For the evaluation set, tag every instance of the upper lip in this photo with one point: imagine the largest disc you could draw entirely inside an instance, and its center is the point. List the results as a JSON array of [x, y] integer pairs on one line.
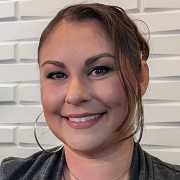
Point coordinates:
[[81, 115]]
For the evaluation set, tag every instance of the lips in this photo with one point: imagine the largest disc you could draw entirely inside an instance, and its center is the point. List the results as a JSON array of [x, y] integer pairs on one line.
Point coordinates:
[[83, 121], [86, 118]]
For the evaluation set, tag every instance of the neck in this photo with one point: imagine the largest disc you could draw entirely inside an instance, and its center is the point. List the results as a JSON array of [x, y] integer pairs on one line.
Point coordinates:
[[108, 165]]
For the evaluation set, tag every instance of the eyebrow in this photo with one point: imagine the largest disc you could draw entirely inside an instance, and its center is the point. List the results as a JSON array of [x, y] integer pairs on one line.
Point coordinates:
[[92, 59], [55, 63], [88, 61]]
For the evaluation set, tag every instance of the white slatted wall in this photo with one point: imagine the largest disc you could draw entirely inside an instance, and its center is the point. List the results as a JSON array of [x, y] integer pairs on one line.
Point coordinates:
[[21, 23]]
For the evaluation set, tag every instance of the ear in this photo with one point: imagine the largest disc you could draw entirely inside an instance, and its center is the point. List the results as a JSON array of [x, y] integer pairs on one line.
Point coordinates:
[[144, 77]]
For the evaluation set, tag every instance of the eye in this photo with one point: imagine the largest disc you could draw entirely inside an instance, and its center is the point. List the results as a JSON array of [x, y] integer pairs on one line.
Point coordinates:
[[98, 71], [57, 75]]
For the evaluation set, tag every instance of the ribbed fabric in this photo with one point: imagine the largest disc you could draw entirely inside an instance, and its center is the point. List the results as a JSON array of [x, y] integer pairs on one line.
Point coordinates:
[[49, 166]]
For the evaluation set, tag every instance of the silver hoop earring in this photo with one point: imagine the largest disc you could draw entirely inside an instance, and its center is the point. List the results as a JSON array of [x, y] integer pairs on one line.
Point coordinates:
[[52, 150], [138, 126], [141, 129]]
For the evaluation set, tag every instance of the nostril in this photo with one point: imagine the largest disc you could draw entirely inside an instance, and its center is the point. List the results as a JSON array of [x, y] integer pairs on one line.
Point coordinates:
[[76, 98], [77, 93]]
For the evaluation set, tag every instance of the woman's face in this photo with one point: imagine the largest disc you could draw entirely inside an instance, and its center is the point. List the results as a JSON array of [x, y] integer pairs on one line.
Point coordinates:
[[82, 96]]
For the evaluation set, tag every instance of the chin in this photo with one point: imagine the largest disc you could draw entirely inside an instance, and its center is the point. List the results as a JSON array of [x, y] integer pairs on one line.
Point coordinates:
[[85, 147]]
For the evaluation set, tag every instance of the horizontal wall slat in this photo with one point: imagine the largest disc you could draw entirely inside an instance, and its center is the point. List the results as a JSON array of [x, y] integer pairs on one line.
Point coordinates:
[[163, 113], [165, 44], [161, 4], [164, 90], [18, 72], [164, 67], [19, 114], [157, 21], [28, 50], [21, 29], [161, 135], [29, 93], [7, 93], [7, 9], [50, 8], [7, 51], [7, 134]]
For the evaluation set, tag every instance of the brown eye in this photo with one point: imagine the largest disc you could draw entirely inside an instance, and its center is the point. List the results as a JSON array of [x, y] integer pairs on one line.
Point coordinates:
[[57, 75], [98, 71]]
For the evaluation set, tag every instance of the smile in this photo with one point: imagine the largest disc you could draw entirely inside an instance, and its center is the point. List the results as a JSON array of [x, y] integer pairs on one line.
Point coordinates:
[[86, 118]]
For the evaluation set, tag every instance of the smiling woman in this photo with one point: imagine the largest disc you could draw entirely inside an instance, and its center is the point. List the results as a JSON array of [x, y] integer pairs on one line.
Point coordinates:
[[89, 85], [92, 61]]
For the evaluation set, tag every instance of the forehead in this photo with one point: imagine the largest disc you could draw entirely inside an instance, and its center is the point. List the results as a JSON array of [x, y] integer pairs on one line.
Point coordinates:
[[82, 37], [71, 26]]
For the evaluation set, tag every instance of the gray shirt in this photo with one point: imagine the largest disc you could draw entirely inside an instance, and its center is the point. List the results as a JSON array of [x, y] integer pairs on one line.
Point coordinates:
[[49, 166]]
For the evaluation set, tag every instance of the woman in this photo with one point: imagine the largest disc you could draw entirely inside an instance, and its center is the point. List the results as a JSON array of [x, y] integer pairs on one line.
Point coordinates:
[[92, 61]]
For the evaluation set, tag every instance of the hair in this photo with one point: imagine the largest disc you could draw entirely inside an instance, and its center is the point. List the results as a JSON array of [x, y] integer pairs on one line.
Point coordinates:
[[129, 46]]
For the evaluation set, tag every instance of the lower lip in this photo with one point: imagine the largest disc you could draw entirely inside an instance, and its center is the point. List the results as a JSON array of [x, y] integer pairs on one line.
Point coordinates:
[[83, 125]]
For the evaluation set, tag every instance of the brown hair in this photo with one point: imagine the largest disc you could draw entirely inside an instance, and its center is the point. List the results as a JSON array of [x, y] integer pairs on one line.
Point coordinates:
[[130, 47]]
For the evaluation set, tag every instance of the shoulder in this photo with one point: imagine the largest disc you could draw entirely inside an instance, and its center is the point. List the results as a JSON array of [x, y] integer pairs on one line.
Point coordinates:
[[34, 165], [163, 170], [18, 167]]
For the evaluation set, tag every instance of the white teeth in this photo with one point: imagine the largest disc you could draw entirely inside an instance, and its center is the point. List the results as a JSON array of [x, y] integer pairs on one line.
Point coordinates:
[[83, 119]]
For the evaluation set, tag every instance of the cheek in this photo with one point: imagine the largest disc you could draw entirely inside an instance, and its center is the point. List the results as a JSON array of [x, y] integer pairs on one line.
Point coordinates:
[[51, 97], [111, 93]]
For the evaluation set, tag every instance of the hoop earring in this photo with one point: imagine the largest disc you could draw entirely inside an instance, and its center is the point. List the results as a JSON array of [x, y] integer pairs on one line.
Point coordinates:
[[141, 129], [138, 126], [53, 150]]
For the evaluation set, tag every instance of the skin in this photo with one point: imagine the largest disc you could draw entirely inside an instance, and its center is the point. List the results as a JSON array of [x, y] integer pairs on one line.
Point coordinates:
[[73, 85]]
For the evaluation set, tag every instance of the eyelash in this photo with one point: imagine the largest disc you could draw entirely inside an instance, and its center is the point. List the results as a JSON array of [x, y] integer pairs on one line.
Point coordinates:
[[53, 75], [98, 71]]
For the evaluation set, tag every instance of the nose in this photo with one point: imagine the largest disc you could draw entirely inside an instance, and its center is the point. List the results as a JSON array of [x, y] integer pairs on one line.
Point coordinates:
[[77, 92]]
